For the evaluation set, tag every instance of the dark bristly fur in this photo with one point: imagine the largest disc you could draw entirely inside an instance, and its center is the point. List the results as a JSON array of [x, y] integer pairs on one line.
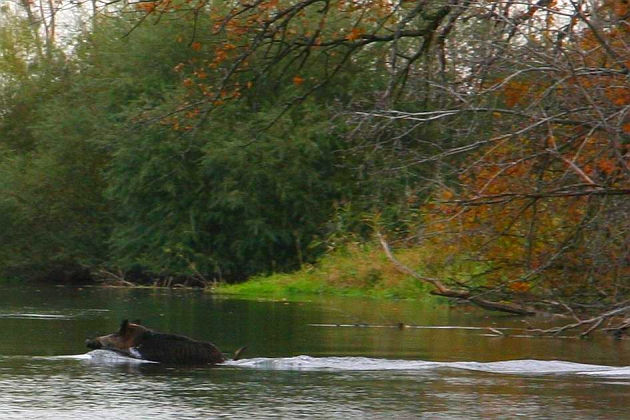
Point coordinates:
[[177, 350], [138, 341]]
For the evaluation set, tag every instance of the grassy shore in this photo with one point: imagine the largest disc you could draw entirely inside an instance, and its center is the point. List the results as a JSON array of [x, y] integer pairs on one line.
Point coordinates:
[[353, 271], [360, 270]]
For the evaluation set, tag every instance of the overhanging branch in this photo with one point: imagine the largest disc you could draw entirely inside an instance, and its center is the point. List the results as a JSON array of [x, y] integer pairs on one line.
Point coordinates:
[[442, 290]]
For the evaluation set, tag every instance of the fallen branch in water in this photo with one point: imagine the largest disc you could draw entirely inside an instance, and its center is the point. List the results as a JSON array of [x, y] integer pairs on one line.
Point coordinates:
[[442, 290], [118, 279], [497, 331], [593, 323]]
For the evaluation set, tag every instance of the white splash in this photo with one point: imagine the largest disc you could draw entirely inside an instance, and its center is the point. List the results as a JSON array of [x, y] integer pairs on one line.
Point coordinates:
[[106, 357], [523, 367]]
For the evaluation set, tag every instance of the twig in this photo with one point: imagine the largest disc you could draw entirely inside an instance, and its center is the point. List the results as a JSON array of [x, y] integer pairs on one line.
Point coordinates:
[[443, 290], [593, 323]]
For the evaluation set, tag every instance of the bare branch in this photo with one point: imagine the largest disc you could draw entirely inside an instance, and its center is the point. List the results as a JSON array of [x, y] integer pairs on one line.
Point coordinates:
[[443, 290]]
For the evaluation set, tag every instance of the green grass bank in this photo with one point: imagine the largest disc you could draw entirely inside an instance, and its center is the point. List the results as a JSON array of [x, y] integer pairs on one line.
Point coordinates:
[[356, 270]]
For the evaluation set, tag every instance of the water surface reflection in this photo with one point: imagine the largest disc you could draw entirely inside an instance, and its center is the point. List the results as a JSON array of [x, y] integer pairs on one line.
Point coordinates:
[[299, 364]]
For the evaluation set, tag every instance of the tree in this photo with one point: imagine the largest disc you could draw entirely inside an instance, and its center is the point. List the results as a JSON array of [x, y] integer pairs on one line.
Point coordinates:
[[540, 204], [501, 126], [530, 102], [49, 189], [198, 197]]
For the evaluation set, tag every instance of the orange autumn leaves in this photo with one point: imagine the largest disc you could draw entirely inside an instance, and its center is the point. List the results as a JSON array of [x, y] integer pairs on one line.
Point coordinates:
[[536, 212], [524, 223], [548, 209], [234, 31]]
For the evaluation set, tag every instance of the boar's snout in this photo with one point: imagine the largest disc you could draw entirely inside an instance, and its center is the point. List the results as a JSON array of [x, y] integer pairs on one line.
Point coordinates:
[[93, 344]]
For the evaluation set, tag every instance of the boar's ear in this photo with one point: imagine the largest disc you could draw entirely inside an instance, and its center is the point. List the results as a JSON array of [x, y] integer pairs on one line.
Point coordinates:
[[123, 327]]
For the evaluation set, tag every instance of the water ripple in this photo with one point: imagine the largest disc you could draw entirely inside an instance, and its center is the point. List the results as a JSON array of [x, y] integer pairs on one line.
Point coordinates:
[[526, 366], [364, 364], [52, 315]]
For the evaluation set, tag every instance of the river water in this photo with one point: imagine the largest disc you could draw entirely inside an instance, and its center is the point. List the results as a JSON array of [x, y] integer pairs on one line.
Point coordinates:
[[314, 358]]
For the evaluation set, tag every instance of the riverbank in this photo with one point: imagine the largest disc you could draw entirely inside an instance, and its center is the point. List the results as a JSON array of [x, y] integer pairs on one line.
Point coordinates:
[[353, 271], [358, 270]]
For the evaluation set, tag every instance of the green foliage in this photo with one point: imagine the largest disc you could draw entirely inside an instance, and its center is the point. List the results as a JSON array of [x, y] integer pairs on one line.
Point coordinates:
[[48, 196], [226, 199], [24, 76], [106, 161]]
